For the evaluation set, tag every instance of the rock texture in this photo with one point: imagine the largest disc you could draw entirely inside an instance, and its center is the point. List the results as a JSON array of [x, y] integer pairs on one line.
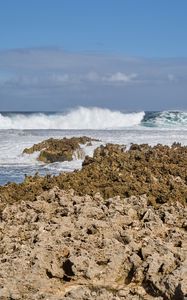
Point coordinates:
[[160, 172], [64, 246], [53, 150]]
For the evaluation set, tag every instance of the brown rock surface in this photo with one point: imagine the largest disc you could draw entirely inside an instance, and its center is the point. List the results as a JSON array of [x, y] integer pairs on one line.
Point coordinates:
[[53, 150], [160, 172], [64, 246]]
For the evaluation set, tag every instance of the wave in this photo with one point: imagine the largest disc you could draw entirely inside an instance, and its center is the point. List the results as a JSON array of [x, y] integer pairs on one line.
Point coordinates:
[[93, 118], [80, 118], [165, 119]]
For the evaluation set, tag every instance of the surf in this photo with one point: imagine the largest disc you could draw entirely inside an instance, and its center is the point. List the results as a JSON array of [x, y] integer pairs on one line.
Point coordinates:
[[166, 119], [80, 118]]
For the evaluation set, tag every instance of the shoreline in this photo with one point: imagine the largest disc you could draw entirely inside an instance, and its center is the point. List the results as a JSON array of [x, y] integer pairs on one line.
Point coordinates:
[[116, 229], [158, 171]]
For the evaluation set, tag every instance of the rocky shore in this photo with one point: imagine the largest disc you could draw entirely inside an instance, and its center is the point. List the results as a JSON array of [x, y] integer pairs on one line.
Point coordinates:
[[116, 229], [160, 172], [64, 246]]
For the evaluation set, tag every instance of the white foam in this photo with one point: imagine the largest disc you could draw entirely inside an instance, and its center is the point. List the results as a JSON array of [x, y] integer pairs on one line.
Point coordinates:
[[14, 164], [173, 119], [80, 118]]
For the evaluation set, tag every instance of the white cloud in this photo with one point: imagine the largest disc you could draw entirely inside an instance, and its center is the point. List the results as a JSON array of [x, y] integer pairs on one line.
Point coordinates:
[[121, 77], [72, 78]]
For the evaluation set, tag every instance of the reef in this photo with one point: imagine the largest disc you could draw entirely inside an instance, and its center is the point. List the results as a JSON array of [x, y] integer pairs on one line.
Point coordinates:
[[53, 150]]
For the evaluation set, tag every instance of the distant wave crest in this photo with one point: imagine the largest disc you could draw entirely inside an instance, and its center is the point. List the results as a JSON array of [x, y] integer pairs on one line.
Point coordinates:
[[80, 118], [165, 119]]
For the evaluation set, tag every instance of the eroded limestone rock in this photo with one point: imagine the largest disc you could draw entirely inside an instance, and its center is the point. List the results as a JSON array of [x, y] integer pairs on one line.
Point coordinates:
[[64, 246], [160, 172]]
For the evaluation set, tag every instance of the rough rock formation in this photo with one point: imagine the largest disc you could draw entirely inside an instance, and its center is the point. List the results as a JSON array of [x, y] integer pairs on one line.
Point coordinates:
[[64, 246], [160, 172], [53, 150]]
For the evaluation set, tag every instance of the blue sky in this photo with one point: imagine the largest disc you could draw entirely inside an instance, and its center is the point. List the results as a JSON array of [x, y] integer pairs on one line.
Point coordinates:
[[126, 54]]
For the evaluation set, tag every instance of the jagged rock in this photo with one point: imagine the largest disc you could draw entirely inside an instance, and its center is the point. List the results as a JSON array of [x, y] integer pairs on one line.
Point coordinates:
[[160, 172], [64, 246], [53, 150]]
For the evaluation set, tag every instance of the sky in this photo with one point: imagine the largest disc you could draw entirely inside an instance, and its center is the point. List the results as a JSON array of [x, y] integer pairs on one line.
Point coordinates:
[[120, 54]]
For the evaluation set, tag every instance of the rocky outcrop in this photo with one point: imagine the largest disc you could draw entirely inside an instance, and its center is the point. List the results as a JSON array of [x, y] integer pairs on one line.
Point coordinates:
[[160, 172], [64, 246], [53, 150], [121, 233]]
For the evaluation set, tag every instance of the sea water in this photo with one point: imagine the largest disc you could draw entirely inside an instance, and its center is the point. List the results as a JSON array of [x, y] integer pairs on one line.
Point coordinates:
[[21, 130]]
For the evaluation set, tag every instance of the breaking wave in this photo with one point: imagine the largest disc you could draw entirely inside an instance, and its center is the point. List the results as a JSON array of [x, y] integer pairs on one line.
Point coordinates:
[[93, 118], [80, 118], [166, 119]]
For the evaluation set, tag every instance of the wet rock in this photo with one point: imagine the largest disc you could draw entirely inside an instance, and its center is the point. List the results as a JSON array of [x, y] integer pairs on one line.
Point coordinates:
[[53, 150]]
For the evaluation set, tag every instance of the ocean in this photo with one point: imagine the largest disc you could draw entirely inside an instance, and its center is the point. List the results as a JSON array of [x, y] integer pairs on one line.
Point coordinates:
[[19, 130]]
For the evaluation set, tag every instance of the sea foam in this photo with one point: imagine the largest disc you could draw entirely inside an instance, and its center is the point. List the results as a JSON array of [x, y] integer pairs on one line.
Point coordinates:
[[80, 118]]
